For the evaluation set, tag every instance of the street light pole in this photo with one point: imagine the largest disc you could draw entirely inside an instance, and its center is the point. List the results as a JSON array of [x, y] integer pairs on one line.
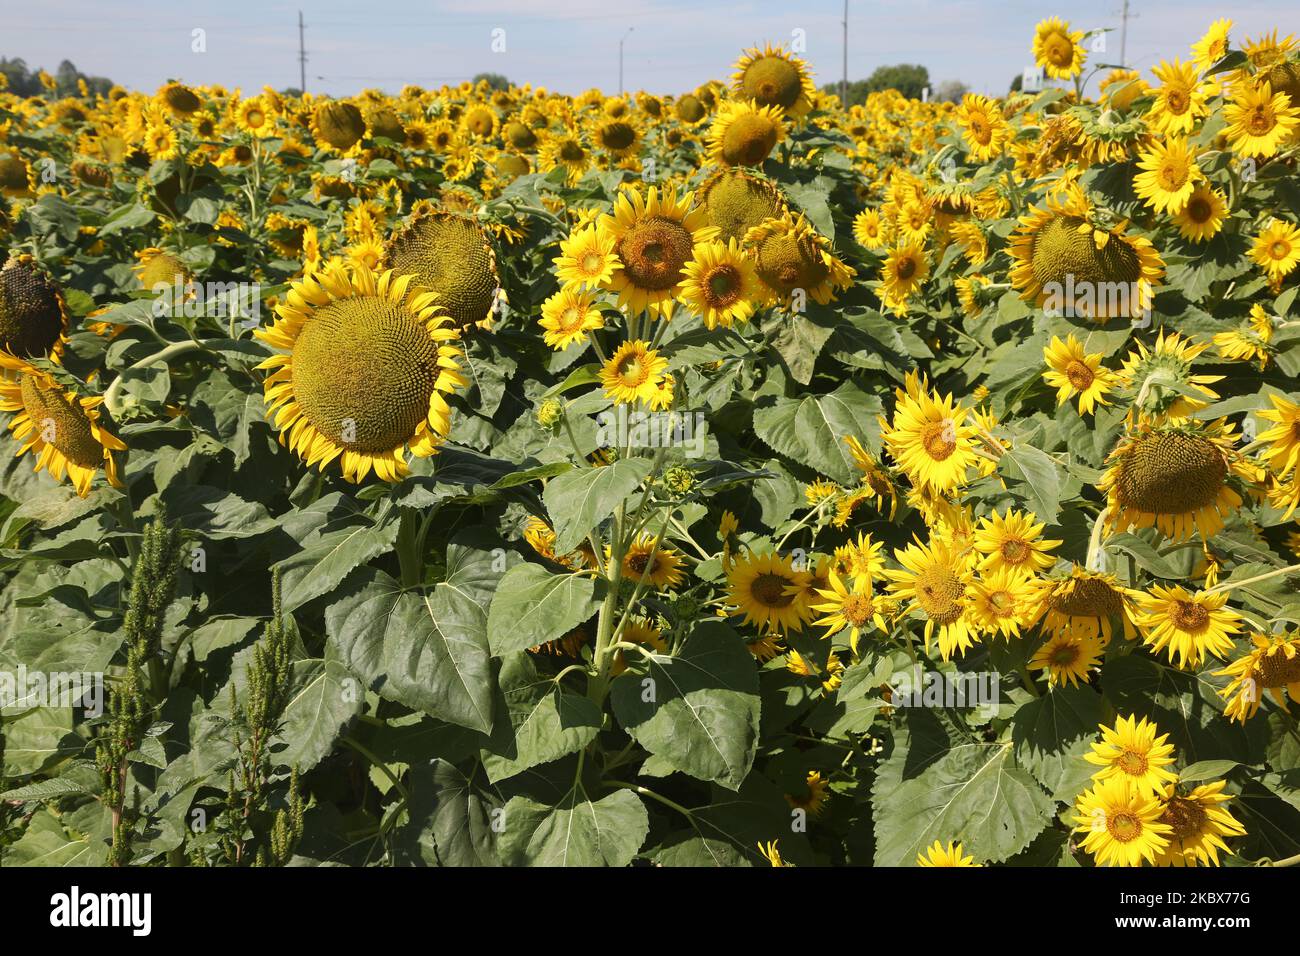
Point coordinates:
[[620, 59]]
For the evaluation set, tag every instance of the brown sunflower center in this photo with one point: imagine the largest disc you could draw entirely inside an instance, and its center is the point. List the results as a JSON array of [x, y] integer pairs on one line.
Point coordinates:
[[31, 310], [906, 268], [939, 439], [1124, 827], [1261, 121], [1080, 376], [1015, 551], [1133, 764], [1277, 670], [61, 422], [1279, 249], [571, 151], [448, 254], [1199, 210], [1186, 817], [858, 609], [1171, 473], [769, 590], [1176, 101], [1189, 616], [1064, 655], [723, 284], [617, 136], [654, 251], [939, 592], [638, 561]]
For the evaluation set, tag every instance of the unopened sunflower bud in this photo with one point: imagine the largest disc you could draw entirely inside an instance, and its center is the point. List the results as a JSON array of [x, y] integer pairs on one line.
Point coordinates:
[[549, 413], [679, 480]]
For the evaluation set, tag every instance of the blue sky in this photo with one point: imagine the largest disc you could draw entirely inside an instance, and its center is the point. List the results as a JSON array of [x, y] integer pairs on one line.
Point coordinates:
[[571, 45]]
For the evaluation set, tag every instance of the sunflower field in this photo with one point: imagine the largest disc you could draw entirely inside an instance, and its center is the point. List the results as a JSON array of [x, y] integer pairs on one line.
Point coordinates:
[[477, 476]]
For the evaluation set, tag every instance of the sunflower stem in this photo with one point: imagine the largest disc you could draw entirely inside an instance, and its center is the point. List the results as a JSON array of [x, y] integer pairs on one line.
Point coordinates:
[[112, 395], [1276, 572]]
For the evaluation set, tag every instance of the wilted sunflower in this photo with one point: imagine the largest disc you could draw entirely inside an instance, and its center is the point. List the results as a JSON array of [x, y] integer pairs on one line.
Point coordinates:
[[1259, 120], [655, 236], [1067, 658], [1086, 604], [364, 371], [1059, 249], [743, 134], [1203, 215], [772, 77], [1174, 476], [567, 317], [735, 201], [1122, 823], [61, 428], [1273, 665], [633, 373], [1188, 627], [929, 437], [33, 314], [1132, 750], [720, 284], [765, 589], [1277, 250], [936, 580], [857, 608], [1071, 371], [1169, 175], [1198, 822], [794, 262], [1162, 378], [950, 855], [450, 255]]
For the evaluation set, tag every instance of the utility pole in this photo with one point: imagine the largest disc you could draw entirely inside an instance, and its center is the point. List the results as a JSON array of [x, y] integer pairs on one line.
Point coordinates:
[[302, 58], [844, 82], [1125, 16], [620, 59]]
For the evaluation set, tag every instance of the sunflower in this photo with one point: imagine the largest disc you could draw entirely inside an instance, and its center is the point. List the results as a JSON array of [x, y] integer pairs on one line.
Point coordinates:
[[33, 314], [902, 274], [972, 240], [1059, 249], [160, 141], [1186, 626], [659, 566], [1163, 379], [1132, 750], [1248, 342], [820, 490], [565, 151], [814, 797], [1259, 120], [1203, 215], [1067, 658], [337, 125], [155, 267], [587, 258], [743, 134], [363, 373], [735, 201], [858, 609], [929, 437], [567, 317], [1283, 439], [1277, 250], [720, 284], [479, 122], [450, 255], [760, 588], [1169, 175], [655, 236], [772, 77], [1179, 100], [1173, 476], [869, 230], [255, 118], [984, 129], [795, 262], [1212, 47], [770, 853], [1272, 664], [617, 137], [61, 428], [637, 631], [1013, 542], [876, 484], [367, 252], [1198, 823], [1073, 372], [1003, 602], [940, 855], [936, 580], [1086, 604], [1057, 49], [1122, 823], [633, 373]]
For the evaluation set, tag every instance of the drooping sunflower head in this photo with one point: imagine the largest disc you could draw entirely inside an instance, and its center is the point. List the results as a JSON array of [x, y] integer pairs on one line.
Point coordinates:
[[735, 201], [60, 427], [155, 267], [794, 262], [654, 238], [1086, 604], [1173, 476], [449, 255], [33, 315], [743, 134], [1272, 665], [480, 122], [179, 99], [363, 373], [772, 77], [16, 178], [337, 124]]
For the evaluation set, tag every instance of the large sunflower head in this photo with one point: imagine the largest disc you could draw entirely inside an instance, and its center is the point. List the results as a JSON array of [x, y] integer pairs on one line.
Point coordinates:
[[61, 428], [450, 255], [1122, 823], [1061, 256], [791, 256], [363, 373], [654, 238], [743, 134], [1173, 476], [33, 315], [735, 201], [772, 77], [338, 125]]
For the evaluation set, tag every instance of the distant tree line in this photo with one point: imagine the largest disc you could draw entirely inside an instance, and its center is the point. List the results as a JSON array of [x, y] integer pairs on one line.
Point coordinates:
[[26, 82], [910, 79]]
